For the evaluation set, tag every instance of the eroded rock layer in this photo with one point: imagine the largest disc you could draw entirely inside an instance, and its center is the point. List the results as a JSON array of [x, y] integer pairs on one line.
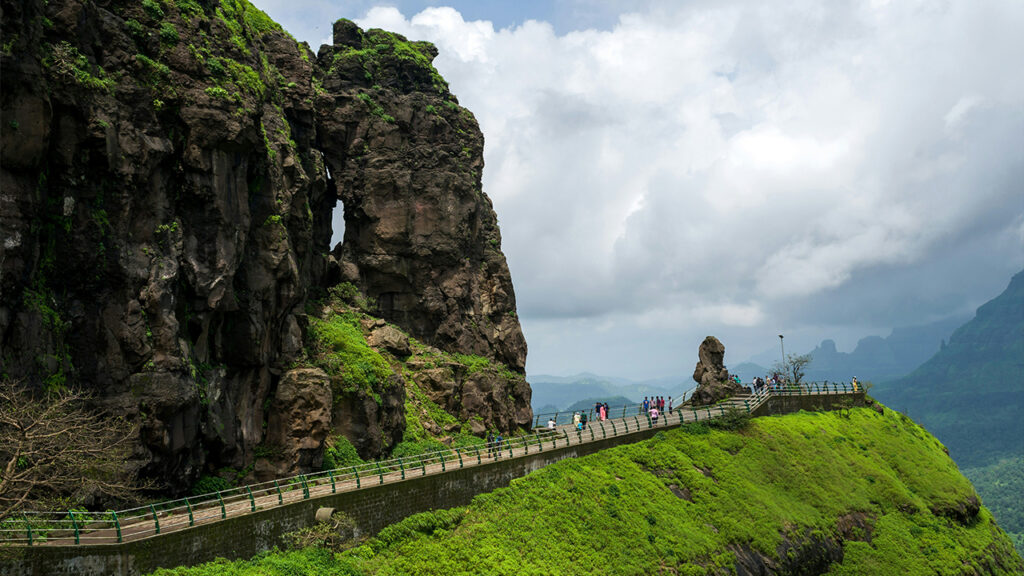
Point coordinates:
[[169, 171]]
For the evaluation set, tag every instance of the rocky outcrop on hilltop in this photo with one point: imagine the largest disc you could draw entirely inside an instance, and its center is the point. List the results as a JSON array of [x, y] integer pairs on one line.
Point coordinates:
[[713, 382], [168, 175]]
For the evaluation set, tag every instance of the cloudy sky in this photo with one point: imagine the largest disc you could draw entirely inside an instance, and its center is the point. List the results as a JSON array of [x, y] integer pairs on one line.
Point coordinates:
[[665, 170]]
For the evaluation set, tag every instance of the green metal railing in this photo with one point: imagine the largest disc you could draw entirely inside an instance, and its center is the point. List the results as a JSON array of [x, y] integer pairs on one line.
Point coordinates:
[[111, 527]]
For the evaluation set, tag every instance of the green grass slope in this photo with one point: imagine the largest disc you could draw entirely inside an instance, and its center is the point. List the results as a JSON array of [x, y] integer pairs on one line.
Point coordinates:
[[808, 493]]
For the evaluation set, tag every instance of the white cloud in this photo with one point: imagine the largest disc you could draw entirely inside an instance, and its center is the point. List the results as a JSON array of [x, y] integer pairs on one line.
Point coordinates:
[[712, 164]]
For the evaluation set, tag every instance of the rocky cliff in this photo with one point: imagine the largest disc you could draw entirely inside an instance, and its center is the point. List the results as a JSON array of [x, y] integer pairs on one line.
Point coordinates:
[[169, 171]]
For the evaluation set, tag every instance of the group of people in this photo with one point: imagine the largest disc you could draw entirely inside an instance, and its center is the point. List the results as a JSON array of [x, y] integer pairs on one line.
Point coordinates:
[[773, 381], [494, 445], [579, 420], [655, 406]]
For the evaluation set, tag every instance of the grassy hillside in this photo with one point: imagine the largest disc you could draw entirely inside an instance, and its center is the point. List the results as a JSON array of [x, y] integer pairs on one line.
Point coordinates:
[[860, 494]]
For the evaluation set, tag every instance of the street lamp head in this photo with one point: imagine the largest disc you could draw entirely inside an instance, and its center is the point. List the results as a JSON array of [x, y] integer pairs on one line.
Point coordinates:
[[780, 335]]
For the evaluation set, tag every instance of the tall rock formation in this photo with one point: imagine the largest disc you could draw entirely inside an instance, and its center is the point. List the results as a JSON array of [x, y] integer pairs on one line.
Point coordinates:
[[420, 235], [167, 179], [710, 374]]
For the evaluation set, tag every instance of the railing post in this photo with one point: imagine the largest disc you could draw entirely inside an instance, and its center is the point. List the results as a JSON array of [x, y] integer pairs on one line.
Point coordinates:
[[636, 420], [604, 433], [591, 428], [191, 519], [356, 472], [625, 423], [156, 521], [402, 468], [223, 510], [478, 455], [74, 523], [459, 452], [696, 418], [380, 473], [536, 421], [442, 463], [305, 488], [252, 499], [566, 437], [623, 411], [615, 432], [117, 524], [331, 474], [650, 423], [579, 437], [28, 528], [280, 497], [510, 455], [747, 404], [540, 444]]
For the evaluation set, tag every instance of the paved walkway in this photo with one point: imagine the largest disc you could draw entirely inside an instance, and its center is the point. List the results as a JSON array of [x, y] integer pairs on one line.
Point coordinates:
[[151, 521]]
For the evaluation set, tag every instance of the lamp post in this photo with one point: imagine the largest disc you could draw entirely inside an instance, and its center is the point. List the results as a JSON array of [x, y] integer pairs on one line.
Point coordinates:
[[783, 347]]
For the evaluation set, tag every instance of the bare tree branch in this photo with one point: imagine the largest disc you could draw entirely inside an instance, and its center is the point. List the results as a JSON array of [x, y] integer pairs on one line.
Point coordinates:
[[54, 449]]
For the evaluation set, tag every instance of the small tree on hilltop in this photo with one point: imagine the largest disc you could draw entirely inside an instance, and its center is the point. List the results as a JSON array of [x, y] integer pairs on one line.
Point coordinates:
[[55, 453], [793, 368]]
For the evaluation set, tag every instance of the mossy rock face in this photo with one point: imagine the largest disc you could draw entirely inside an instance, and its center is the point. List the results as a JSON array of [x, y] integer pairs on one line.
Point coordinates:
[[170, 170], [395, 396]]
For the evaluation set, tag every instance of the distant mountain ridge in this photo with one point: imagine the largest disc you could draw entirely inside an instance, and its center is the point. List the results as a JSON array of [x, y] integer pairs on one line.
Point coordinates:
[[970, 394], [562, 392], [875, 359]]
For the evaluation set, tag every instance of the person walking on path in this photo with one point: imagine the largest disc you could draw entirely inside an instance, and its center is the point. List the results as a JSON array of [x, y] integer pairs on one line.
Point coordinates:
[[490, 444], [551, 423], [583, 421], [576, 420], [654, 414], [646, 406], [669, 404], [499, 444]]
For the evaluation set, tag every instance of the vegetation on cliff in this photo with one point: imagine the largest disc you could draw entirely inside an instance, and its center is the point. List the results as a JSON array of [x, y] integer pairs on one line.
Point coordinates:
[[363, 353], [834, 493]]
